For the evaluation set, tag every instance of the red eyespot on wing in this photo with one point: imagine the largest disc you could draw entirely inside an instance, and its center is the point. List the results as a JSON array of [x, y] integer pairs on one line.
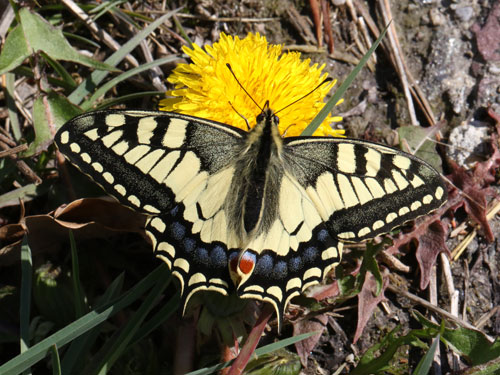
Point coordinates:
[[247, 263]]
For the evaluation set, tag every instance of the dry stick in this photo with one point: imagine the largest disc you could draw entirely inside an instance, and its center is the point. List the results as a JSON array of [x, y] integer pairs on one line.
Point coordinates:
[[354, 35], [325, 8], [366, 36], [22, 166], [415, 89], [433, 300], [314, 4], [452, 292], [13, 150], [484, 319], [494, 208], [435, 309], [107, 39], [5, 138], [155, 72], [220, 19], [385, 8]]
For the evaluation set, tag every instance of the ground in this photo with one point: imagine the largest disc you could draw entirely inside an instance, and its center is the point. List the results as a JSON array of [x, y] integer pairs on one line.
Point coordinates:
[[449, 51]]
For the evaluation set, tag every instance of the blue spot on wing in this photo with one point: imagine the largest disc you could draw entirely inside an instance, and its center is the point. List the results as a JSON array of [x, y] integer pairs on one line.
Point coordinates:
[[218, 257]]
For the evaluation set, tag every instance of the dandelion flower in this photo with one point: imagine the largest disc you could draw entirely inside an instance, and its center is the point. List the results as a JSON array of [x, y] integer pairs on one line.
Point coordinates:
[[207, 89]]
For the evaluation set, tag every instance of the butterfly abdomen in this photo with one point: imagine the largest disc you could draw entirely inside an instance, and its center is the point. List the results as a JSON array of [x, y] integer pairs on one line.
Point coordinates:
[[256, 179]]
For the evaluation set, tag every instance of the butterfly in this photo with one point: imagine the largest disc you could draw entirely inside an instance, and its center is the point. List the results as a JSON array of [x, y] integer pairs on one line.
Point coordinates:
[[251, 212]]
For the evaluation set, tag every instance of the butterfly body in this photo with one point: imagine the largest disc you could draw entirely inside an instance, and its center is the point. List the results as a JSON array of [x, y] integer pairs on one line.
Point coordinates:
[[249, 211]]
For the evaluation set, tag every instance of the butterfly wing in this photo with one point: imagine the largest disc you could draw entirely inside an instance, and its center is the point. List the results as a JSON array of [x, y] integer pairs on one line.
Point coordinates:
[[173, 168], [363, 189], [295, 252]]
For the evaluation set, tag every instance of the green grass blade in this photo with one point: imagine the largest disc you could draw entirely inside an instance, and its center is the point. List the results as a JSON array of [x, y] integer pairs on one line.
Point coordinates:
[[161, 316], [56, 363], [311, 128], [25, 294], [68, 80], [88, 85], [80, 326], [133, 325], [10, 80], [86, 105], [121, 99], [76, 353], [75, 279], [424, 366], [25, 305]]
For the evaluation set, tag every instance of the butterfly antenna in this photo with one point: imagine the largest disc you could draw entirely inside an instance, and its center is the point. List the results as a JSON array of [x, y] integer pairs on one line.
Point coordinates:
[[239, 83], [239, 114], [302, 97]]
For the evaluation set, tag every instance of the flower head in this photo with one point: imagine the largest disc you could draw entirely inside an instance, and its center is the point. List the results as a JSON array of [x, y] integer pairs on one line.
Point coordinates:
[[206, 88]]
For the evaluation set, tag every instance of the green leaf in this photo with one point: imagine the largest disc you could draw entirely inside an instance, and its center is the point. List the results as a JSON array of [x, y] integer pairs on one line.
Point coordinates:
[[56, 363], [14, 51], [9, 90], [417, 139], [79, 299], [27, 193], [120, 345], [469, 343], [49, 113], [387, 348], [42, 36]]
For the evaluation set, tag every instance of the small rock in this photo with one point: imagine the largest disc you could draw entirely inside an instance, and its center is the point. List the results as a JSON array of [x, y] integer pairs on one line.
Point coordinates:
[[468, 143], [464, 14], [437, 18]]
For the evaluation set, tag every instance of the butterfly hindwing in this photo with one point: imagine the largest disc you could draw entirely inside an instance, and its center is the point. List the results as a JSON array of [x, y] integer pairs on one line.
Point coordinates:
[[296, 252]]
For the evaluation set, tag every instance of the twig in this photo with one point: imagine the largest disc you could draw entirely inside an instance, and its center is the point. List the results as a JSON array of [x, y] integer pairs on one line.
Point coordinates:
[[453, 293], [252, 341], [433, 300], [494, 208], [93, 27], [417, 93], [22, 166], [435, 309], [366, 36], [385, 8], [315, 10], [221, 19], [484, 319], [13, 150], [325, 8]]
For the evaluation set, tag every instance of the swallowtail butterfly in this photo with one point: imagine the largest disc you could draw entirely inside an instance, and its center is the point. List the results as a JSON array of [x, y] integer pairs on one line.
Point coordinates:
[[248, 211]]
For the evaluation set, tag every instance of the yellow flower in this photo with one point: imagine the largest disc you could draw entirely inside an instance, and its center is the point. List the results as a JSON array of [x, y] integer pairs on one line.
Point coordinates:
[[207, 89]]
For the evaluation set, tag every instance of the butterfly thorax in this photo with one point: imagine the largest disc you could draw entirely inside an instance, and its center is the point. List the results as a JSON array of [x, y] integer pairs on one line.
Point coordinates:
[[258, 171]]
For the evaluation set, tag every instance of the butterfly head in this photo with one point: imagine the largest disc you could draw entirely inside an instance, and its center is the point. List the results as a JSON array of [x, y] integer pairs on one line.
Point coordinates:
[[268, 115]]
